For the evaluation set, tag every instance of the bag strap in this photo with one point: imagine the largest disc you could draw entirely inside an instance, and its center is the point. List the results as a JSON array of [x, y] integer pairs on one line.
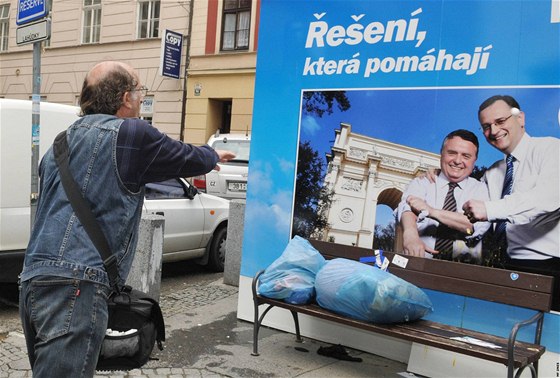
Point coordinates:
[[83, 209]]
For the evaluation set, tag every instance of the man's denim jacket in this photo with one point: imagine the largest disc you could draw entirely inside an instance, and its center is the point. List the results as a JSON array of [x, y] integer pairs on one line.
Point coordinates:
[[59, 245]]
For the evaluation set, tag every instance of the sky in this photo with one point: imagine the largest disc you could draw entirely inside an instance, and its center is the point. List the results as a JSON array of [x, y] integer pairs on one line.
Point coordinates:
[[422, 117]]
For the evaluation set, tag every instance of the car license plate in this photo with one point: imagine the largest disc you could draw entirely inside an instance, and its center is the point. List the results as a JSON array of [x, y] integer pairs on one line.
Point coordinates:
[[237, 186]]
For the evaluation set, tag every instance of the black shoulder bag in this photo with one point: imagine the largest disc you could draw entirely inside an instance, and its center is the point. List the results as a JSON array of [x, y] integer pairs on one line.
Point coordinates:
[[135, 319]]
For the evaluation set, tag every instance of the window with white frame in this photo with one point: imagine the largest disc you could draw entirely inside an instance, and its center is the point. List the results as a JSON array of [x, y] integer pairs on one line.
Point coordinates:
[[148, 19], [92, 21], [236, 23], [4, 26]]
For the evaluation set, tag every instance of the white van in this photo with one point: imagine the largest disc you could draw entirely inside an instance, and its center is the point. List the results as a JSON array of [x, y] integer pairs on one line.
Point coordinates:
[[15, 173], [195, 224]]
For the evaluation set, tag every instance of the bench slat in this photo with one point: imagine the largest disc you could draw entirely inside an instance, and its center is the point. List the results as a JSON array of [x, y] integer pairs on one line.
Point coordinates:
[[472, 272], [476, 289]]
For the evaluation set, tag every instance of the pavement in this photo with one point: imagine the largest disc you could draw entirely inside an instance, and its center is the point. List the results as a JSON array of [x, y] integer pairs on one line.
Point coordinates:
[[204, 338]]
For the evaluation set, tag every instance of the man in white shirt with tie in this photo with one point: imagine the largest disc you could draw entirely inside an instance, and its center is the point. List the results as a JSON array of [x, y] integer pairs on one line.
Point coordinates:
[[431, 228], [530, 210]]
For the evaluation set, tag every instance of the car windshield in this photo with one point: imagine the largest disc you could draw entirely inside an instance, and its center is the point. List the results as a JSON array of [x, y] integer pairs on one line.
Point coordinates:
[[239, 147], [165, 189]]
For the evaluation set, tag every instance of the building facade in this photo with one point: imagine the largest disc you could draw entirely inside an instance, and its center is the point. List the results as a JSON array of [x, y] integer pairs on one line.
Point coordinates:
[[215, 88], [221, 73]]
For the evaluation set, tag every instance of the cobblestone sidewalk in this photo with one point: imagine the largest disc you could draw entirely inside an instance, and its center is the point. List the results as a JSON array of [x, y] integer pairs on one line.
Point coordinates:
[[204, 338], [13, 353]]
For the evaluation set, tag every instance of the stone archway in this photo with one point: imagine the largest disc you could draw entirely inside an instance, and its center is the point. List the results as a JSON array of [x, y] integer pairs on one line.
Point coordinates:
[[391, 198], [363, 172]]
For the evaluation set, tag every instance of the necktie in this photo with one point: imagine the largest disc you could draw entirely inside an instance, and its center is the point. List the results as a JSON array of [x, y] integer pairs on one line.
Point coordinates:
[[500, 230], [444, 241]]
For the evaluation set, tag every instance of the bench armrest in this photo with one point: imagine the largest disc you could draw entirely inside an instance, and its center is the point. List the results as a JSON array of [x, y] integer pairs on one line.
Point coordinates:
[[255, 282], [538, 317]]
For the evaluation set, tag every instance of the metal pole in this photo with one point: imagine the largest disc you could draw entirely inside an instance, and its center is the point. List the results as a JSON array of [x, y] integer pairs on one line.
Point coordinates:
[[187, 63], [35, 129]]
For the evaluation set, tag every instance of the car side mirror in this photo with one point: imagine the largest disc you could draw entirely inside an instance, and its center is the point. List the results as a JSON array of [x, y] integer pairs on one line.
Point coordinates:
[[191, 192]]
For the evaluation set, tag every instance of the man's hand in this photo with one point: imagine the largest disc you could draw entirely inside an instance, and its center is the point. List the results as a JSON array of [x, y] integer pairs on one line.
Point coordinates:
[[431, 174], [414, 246], [417, 204], [223, 157], [475, 210]]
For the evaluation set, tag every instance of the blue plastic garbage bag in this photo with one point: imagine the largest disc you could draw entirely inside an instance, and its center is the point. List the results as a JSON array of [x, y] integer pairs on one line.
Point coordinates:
[[366, 293], [291, 277]]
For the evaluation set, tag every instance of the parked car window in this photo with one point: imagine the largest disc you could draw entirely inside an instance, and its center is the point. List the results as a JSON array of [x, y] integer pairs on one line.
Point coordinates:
[[165, 189], [231, 180], [241, 148]]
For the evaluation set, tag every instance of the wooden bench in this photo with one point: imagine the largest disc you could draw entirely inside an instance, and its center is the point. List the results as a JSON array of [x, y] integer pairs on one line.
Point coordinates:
[[530, 291]]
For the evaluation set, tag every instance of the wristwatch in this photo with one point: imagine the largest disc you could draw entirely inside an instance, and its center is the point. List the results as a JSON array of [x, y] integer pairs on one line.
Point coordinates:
[[423, 214]]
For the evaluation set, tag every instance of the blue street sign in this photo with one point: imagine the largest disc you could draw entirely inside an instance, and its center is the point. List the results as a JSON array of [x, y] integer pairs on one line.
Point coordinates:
[[31, 10]]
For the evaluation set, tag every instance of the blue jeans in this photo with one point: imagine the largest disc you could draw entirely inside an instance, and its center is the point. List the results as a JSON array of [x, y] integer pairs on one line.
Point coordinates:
[[64, 321]]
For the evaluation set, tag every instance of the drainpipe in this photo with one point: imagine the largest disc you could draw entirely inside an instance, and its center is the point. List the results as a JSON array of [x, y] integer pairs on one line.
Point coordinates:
[[187, 63]]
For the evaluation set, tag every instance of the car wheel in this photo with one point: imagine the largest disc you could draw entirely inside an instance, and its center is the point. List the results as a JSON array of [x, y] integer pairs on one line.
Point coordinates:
[[217, 253]]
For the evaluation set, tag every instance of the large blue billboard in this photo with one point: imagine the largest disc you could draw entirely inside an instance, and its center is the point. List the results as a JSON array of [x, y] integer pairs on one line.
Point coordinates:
[[411, 70]]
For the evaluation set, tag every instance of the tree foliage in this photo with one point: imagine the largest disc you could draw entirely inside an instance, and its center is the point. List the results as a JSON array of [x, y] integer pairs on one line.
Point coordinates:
[[384, 237], [321, 102], [478, 172], [311, 197]]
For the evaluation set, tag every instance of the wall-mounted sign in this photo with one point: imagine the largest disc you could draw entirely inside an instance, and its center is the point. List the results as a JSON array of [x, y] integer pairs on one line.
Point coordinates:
[[147, 107], [170, 57], [197, 89]]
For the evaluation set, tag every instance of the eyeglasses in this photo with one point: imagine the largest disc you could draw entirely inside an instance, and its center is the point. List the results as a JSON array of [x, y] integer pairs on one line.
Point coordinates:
[[143, 90], [499, 123]]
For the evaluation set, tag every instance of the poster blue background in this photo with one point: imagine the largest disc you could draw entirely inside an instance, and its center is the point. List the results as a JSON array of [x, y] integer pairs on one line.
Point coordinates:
[[523, 48]]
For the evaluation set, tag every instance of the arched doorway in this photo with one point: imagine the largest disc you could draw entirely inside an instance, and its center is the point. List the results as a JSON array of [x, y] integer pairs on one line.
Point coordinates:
[[386, 235]]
